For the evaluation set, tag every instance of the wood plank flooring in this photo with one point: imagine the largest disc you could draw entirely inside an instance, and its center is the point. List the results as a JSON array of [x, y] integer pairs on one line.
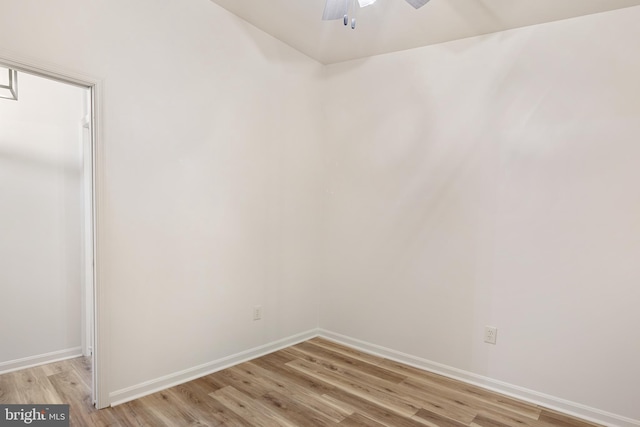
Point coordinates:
[[315, 383]]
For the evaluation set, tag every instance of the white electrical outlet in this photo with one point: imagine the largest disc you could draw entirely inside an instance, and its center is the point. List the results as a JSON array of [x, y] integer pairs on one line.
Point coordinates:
[[257, 312], [490, 334]]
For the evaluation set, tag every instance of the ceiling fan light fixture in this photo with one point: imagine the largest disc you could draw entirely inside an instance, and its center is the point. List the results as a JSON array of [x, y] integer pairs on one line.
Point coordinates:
[[365, 3], [9, 84], [335, 9], [339, 9], [417, 3]]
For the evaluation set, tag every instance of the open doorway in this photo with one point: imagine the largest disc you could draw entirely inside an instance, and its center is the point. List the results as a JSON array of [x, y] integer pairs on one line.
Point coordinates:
[[46, 223]]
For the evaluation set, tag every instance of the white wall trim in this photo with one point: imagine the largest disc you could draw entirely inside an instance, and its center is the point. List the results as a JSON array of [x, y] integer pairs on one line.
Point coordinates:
[[148, 387], [548, 401], [40, 359]]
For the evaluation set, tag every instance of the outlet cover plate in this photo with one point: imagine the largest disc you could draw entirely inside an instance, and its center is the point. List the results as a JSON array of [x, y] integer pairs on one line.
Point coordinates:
[[490, 334]]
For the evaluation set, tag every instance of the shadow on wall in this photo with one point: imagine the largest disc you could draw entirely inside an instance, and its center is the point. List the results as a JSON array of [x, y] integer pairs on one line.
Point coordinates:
[[34, 161]]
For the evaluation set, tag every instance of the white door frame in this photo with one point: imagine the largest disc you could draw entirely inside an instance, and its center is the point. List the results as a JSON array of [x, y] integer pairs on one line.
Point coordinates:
[[100, 321], [88, 277]]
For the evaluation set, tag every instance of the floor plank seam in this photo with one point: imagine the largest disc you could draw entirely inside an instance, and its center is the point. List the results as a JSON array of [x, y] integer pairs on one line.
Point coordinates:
[[314, 383]]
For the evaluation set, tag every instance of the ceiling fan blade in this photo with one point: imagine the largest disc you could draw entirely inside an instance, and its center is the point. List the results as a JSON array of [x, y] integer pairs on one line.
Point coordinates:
[[417, 3], [365, 3], [335, 9]]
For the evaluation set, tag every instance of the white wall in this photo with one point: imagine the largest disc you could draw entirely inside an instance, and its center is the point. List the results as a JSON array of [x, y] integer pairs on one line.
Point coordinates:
[[212, 188], [40, 220], [494, 181]]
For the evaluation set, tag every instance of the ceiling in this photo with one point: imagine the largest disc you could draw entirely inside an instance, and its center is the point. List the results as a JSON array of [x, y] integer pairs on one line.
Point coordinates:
[[393, 25]]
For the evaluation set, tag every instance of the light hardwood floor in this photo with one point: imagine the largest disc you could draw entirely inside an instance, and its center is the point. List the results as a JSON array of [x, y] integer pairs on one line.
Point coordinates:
[[315, 383]]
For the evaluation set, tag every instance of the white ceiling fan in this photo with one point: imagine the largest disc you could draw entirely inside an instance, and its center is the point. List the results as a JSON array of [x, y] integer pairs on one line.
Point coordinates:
[[339, 9]]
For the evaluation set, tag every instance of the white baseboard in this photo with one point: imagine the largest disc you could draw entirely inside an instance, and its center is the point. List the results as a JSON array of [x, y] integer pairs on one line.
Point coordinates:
[[40, 359], [551, 402], [148, 387]]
